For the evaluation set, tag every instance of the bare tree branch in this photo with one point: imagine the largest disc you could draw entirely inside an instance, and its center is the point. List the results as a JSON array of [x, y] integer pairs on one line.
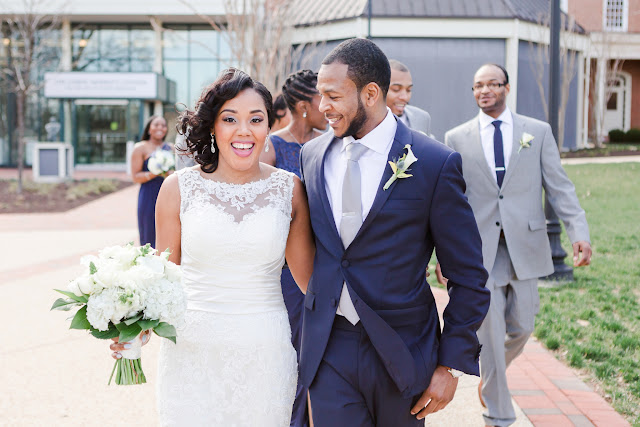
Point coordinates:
[[28, 33]]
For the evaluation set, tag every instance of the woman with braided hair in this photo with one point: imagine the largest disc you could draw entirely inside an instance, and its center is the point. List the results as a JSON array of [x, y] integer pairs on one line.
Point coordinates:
[[303, 100]]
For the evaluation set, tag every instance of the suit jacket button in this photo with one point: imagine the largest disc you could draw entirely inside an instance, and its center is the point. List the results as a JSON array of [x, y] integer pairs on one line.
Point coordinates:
[[501, 197], [498, 223], [333, 302], [345, 263]]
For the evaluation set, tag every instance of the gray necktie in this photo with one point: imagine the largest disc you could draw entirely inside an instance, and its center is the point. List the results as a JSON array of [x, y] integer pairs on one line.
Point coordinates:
[[351, 218]]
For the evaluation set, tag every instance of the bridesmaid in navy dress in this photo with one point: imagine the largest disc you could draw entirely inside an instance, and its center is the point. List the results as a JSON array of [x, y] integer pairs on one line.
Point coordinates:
[[307, 122], [152, 139]]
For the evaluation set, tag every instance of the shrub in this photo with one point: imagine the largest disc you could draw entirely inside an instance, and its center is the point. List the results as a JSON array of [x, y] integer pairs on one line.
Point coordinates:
[[632, 135], [617, 135]]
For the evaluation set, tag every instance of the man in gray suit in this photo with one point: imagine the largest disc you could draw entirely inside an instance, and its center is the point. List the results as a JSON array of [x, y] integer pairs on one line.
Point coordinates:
[[507, 160], [399, 96]]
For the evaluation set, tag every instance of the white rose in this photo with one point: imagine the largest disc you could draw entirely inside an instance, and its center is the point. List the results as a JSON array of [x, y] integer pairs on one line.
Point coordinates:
[[74, 287], [87, 285]]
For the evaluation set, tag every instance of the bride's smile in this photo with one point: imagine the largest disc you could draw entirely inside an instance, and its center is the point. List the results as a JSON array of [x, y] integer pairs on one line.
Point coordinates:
[[240, 131]]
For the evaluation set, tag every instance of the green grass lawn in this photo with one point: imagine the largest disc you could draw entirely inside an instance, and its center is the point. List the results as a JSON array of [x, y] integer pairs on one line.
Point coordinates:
[[593, 324]]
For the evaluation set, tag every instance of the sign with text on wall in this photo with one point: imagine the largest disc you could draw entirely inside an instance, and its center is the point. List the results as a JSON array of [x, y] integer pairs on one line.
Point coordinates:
[[78, 85]]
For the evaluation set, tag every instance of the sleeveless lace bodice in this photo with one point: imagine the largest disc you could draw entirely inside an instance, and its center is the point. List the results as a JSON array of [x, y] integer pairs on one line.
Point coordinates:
[[233, 241], [234, 348]]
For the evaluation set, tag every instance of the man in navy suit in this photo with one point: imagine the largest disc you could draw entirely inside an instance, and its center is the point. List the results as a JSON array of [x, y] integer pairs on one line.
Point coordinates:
[[372, 349]]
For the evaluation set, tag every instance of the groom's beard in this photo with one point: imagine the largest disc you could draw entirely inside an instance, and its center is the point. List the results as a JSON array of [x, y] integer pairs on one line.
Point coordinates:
[[358, 121]]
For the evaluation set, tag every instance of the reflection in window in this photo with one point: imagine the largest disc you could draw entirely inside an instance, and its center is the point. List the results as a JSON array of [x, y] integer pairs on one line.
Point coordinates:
[[175, 43]]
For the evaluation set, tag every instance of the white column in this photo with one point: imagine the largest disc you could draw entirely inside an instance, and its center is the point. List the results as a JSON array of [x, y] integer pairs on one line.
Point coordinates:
[[511, 64], [600, 99], [158, 59], [579, 128], [66, 65], [585, 100]]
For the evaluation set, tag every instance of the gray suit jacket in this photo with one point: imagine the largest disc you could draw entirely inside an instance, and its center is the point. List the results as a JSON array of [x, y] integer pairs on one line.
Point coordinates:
[[517, 207], [418, 119]]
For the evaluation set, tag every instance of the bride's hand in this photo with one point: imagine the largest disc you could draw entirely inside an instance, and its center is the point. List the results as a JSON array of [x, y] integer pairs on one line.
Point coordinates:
[[117, 347]]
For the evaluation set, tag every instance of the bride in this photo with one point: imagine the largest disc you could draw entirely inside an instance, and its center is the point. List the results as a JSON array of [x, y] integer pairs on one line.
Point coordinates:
[[229, 222]]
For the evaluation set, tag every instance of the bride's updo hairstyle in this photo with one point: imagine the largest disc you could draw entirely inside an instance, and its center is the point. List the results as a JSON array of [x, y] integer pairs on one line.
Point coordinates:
[[196, 125]]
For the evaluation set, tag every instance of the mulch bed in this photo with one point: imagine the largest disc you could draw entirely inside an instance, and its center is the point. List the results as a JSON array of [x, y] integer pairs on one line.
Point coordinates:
[[593, 153], [56, 198]]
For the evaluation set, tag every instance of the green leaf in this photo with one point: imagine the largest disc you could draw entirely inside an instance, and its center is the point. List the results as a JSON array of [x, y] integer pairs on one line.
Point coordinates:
[[128, 332], [92, 268], [132, 320], [64, 304], [147, 324], [165, 330], [112, 332], [82, 299], [80, 320]]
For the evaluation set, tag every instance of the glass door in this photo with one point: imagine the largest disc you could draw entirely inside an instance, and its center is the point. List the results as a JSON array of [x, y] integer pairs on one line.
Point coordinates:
[[101, 131]]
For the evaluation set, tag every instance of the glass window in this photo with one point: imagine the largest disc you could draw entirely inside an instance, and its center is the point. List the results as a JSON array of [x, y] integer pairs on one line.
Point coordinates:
[[114, 43], [178, 71], [141, 65], [224, 49], [616, 15], [204, 44], [142, 43], [202, 74], [175, 43], [85, 49]]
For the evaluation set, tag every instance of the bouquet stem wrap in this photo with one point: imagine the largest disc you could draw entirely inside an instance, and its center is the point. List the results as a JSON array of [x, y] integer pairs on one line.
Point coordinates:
[[128, 369]]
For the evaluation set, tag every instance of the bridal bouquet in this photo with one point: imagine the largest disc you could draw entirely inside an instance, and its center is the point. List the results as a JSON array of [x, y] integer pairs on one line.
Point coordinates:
[[124, 291], [161, 162]]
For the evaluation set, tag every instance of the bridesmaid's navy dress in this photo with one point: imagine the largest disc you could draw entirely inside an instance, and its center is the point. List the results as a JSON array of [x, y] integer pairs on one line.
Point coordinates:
[[288, 158], [147, 205]]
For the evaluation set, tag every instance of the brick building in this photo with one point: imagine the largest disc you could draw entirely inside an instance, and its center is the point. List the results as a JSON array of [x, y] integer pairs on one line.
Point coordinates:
[[613, 63]]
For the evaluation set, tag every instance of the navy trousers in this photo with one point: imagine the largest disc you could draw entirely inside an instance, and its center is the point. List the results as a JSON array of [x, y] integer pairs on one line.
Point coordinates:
[[294, 301], [352, 386]]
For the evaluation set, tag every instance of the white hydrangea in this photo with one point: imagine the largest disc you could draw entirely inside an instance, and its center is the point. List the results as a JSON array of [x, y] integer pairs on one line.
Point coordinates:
[[128, 281]]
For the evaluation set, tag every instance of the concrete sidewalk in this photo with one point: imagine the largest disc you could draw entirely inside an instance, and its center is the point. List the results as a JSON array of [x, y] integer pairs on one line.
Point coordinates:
[[54, 376]]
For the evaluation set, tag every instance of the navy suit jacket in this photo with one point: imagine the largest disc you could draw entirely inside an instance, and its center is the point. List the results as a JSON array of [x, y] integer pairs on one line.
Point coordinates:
[[384, 266]]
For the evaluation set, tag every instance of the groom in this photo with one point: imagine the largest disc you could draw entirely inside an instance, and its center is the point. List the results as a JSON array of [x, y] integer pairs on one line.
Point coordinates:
[[372, 350]]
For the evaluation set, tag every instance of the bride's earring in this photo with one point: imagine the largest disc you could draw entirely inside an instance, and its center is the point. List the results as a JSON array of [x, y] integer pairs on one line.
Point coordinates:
[[304, 114], [266, 145], [213, 142]]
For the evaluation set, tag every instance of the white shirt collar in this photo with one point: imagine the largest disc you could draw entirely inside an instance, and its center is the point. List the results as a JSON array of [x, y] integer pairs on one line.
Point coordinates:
[[379, 138], [486, 120]]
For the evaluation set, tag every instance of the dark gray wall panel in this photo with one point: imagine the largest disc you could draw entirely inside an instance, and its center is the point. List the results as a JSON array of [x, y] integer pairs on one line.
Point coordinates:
[[529, 101], [442, 71]]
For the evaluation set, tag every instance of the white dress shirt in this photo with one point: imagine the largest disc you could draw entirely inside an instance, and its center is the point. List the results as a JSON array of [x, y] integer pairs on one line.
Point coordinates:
[[486, 136], [372, 165]]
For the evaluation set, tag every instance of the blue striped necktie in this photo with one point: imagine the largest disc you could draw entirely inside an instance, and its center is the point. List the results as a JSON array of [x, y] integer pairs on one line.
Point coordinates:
[[498, 152]]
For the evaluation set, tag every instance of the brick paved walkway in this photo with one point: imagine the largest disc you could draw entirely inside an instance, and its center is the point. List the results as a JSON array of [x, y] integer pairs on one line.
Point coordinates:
[[549, 393], [53, 376]]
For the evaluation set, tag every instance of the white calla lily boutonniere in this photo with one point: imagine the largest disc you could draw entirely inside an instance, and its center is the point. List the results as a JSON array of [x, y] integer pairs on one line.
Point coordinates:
[[525, 141], [401, 166]]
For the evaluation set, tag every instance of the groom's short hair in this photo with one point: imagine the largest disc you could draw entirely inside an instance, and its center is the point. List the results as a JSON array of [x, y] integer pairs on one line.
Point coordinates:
[[365, 61]]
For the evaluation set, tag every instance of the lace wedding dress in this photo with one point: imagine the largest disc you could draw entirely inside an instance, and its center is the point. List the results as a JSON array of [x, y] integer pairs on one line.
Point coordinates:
[[233, 364]]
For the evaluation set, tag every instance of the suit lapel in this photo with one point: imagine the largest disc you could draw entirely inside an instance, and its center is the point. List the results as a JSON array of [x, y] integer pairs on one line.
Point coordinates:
[[518, 129], [402, 138], [478, 153]]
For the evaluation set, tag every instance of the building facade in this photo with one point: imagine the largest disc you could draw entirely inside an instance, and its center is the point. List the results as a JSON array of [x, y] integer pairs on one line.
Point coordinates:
[[613, 63], [443, 43], [109, 73]]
